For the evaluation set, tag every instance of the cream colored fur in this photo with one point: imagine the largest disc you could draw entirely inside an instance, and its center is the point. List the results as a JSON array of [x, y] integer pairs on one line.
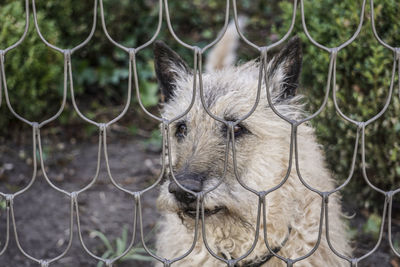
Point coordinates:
[[262, 162], [223, 55]]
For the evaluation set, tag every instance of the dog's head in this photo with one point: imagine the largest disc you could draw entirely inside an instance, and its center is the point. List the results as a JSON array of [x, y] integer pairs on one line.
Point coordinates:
[[198, 142]]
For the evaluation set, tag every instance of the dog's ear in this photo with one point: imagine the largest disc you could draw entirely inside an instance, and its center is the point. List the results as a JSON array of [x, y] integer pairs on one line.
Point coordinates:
[[169, 66], [285, 69]]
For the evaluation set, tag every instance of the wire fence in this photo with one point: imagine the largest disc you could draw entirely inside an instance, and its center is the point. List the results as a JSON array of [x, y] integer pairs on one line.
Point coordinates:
[[133, 84]]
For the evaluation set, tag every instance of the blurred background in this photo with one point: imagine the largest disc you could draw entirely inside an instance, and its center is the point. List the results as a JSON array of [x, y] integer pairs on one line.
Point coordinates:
[[100, 72]]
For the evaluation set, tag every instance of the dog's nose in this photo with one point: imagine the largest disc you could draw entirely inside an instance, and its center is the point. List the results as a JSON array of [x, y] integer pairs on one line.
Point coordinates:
[[190, 182]]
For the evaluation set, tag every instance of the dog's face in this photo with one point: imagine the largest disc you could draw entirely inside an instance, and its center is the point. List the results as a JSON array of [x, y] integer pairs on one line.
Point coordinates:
[[198, 142]]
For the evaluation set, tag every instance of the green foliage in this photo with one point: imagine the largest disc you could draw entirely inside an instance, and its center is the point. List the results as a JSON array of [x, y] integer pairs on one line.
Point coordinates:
[[396, 244], [155, 139], [363, 77], [121, 244], [35, 72], [3, 204], [34, 87], [372, 226]]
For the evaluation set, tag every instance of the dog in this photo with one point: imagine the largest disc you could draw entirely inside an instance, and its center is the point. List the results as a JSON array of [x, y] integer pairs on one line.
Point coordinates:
[[262, 144]]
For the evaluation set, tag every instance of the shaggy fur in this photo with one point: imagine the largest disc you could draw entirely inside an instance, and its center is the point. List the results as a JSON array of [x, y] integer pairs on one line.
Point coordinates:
[[262, 161]]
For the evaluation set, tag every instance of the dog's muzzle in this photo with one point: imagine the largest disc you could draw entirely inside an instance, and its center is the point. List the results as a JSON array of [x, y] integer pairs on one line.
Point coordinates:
[[187, 201], [192, 182]]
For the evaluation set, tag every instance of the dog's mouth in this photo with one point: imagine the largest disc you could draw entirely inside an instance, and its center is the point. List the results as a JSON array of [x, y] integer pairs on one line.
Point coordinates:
[[191, 212]]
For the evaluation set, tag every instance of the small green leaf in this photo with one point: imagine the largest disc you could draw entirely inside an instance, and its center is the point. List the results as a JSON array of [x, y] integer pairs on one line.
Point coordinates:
[[121, 246], [138, 257], [103, 238]]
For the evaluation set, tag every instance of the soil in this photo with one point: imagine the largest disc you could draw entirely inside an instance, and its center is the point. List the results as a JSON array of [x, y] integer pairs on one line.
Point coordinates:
[[42, 214]]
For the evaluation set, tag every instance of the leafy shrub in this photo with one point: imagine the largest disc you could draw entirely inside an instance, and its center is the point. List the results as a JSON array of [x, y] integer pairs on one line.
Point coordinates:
[[34, 87], [363, 77], [35, 72]]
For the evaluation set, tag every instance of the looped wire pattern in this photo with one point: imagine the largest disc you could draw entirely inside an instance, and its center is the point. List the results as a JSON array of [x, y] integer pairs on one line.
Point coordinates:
[[198, 53]]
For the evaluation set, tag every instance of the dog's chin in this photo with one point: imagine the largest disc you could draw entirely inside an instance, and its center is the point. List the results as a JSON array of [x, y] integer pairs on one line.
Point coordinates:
[[191, 212]]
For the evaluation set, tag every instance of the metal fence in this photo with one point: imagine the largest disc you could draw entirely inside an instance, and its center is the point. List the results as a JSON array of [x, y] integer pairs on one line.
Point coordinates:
[[133, 84]]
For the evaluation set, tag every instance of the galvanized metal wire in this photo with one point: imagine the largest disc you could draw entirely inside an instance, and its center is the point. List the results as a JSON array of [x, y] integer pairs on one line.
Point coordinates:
[[198, 52]]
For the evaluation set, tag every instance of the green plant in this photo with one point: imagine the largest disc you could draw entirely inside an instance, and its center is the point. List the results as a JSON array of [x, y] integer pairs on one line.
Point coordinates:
[[121, 244], [363, 77], [372, 226], [34, 73], [155, 139], [3, 204], [396, 244]]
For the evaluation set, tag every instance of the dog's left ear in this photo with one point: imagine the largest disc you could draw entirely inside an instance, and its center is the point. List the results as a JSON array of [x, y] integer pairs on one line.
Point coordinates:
[[285, 69], [169, 66]]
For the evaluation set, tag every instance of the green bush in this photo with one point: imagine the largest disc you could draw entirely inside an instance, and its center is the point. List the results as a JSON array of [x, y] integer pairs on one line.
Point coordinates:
[[35, 72], [34, 87], [363, 77]]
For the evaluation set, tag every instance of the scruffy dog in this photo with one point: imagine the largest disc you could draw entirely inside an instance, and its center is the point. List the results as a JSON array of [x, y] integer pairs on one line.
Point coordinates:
[[262, 152]]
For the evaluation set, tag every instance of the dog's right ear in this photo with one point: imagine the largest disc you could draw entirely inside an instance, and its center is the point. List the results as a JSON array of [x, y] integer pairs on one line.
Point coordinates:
[[285, 69], [169, 66]]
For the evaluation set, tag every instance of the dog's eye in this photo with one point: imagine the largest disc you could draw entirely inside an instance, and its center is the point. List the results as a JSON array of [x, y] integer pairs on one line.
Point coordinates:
[[238, 130], [181, 131]]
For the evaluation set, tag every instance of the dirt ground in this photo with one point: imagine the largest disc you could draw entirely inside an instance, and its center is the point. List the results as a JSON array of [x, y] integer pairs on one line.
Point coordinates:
[[42, 214]]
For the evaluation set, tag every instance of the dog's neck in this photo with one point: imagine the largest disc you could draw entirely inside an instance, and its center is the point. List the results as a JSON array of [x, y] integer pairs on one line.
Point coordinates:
[[265, 258]]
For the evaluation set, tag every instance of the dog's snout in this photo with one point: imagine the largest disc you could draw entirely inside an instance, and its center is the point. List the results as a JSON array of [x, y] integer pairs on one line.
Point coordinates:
[[190, 182]]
